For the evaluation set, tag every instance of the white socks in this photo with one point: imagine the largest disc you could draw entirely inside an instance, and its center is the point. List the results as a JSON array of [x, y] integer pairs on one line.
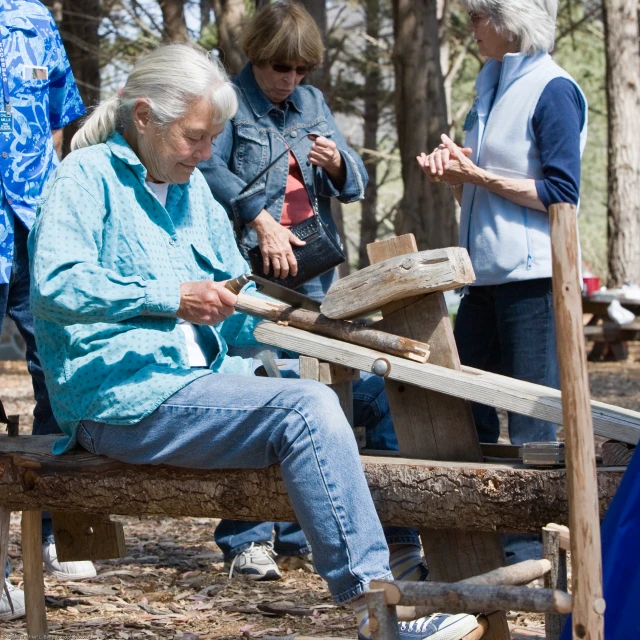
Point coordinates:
[[406, 563]]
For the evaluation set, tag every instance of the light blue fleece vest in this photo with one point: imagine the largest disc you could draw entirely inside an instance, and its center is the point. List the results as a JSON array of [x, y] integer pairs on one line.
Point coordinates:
[[508, 242]]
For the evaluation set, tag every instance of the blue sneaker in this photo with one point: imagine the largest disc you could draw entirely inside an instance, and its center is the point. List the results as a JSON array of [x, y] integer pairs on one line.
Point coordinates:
[[439, 626]]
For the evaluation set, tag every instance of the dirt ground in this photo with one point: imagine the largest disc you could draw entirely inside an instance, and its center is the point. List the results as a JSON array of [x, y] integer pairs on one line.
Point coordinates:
[[172, 583]]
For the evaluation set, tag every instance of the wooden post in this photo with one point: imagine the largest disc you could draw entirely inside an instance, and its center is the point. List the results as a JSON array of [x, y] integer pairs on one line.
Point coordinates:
[[555, 579], [435, 426], [33, 574], [383, 620], [584, 522], [13, 429]]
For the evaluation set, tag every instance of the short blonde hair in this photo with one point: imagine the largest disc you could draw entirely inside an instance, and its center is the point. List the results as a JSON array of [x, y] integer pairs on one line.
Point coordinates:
[[283, 32]]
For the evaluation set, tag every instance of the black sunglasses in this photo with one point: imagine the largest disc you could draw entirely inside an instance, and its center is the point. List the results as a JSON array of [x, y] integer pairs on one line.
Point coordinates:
[[285, 68]]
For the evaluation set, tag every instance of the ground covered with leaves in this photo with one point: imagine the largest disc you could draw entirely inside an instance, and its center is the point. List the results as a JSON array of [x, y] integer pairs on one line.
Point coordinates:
[[173, 584]]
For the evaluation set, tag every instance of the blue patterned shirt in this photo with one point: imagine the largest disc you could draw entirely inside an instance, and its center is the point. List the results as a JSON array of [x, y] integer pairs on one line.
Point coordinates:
[[43, 96], [107, 260]]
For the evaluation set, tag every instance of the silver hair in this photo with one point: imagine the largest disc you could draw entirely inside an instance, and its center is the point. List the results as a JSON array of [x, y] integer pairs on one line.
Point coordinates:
[[532, 23], [171, 77]]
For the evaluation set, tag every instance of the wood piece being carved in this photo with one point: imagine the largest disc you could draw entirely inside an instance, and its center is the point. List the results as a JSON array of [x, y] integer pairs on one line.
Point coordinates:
[[345, 331], [397, 278]]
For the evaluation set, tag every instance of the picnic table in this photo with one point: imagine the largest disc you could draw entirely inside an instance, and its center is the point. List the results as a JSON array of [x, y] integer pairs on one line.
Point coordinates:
[[610, 338]]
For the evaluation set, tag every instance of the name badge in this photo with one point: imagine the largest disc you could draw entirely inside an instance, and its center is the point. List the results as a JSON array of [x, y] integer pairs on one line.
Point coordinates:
[[6, 124], [29, 72]]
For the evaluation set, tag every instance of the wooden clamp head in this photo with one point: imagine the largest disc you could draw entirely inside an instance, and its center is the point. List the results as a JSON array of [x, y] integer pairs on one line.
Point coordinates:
[[396, 278]]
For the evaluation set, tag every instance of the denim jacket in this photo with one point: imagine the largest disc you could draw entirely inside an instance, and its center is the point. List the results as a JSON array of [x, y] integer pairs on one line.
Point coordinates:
[[256, 135]]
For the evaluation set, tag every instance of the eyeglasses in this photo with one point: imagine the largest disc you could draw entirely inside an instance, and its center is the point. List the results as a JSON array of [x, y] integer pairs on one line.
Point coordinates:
[[285, 68]]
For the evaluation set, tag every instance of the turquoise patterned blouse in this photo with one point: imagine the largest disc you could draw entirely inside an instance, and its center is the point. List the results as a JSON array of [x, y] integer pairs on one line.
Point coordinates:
[[107, 260]]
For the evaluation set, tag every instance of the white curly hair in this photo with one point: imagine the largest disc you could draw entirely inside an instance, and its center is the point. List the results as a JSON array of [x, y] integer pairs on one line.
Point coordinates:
[[532, 23]]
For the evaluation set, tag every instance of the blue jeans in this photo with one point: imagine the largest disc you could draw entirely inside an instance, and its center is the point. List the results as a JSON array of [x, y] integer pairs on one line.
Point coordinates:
[[296, 423], [371, 409], [14, 302], [510, 329]]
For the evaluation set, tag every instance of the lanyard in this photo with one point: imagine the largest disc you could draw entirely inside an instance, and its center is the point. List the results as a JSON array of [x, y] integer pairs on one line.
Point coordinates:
[[5, 80]]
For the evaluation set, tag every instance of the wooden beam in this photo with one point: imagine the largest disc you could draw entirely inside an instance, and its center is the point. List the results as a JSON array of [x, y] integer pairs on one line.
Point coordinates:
[[471, 384], [436, 426], [433, 494], [431, 597], [348, 332], [586, 554], [397, 278], [516, 574]]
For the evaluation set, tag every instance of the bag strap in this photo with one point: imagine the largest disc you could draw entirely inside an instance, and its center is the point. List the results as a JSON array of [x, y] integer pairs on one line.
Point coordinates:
[[273, 162]]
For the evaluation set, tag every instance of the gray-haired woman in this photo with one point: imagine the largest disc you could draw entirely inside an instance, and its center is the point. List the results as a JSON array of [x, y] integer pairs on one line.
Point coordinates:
[[525, 135], [128, 241]]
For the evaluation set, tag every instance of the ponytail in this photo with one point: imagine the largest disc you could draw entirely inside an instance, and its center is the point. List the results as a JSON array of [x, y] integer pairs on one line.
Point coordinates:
[[99, 125]]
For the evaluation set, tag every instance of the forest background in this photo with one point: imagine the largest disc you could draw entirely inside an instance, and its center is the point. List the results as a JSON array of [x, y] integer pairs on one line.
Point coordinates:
[[397, 74]]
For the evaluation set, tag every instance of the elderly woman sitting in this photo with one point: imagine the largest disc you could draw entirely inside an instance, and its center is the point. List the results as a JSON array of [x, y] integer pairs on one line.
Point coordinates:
[[128, 243]]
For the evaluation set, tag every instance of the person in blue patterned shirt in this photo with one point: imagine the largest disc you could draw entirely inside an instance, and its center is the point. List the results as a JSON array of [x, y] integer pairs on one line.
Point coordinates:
[[39, 98]]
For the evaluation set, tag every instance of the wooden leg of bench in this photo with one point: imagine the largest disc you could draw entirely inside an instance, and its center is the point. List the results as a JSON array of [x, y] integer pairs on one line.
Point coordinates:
[[5, 518], [33, 574], [555, 579]]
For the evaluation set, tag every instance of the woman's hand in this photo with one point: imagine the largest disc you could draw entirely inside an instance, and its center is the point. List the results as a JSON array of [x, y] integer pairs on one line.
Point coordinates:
[[275, 245], [324, 153], [205, 302], [448, 163]]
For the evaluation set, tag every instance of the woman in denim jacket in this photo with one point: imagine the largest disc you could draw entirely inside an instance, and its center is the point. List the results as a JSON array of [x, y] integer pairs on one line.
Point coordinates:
[[283, 44]]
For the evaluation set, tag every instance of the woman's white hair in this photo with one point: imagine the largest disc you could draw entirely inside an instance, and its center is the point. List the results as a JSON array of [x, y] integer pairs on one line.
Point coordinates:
[[171, 77], [532, 23]]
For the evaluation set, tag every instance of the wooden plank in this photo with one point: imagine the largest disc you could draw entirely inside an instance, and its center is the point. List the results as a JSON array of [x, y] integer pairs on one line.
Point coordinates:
[[86, 536], [436, 426], [471, 384], [586, 555], [33, 574], [433, 494], [397, 278]]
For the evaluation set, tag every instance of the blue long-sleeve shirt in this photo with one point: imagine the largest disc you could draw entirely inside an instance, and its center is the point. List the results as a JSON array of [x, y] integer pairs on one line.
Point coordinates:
[[557, 122]]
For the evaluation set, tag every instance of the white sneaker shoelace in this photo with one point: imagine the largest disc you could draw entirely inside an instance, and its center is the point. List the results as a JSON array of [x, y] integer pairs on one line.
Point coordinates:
[[255, 552]]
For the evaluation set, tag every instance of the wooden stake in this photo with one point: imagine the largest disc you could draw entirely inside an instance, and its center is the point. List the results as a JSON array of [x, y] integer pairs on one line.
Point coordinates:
[[33, 574], [584, 522]]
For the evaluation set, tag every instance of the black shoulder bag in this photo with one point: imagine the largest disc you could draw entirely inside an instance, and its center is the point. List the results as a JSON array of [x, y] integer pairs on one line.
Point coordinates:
[[321, 253]]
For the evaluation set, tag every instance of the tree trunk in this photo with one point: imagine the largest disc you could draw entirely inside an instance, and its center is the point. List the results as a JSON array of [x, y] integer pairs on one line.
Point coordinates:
[[174, 24], [368, 221], [205, 14], [623, 102], [229, 16], [468, 496], [78, 22], [320, 77], [427, 210]]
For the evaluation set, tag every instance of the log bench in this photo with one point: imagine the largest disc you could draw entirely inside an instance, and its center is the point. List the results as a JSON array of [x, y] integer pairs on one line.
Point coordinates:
[[433, 495]]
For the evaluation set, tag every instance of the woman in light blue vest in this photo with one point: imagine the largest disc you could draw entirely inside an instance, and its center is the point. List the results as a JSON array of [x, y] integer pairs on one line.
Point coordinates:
[[525, 135]]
